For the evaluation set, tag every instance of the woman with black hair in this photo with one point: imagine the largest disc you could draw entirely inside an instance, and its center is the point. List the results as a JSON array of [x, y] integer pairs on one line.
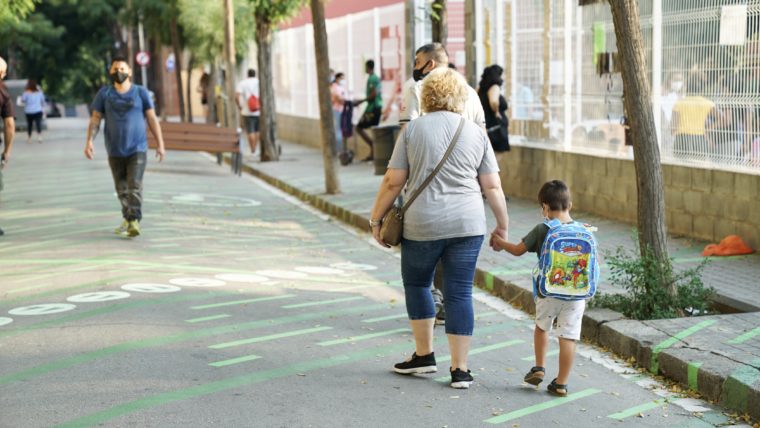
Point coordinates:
[[494, 106]]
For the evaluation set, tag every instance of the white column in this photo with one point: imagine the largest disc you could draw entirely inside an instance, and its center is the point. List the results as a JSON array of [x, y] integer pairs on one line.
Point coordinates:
[[568, 73], [578, 63], [376, 40], [513, 60], [499, 21], [479, 37], [308, 71], [350, 50], [657, 67]]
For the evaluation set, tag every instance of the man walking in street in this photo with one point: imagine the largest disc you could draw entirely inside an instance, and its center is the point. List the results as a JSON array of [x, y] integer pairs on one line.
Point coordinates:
[[426, 59], [126, 107], [9, 123], [247, 100], [371, 115]]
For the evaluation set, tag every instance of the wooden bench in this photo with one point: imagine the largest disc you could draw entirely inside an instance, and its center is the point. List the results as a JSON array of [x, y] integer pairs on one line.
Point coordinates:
[[201, 138]]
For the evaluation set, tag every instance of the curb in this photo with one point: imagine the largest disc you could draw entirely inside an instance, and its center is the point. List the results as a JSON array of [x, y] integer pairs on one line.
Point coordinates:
[[713, 376]]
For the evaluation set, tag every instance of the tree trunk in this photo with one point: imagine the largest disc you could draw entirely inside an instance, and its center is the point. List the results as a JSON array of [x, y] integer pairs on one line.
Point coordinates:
[[177, 65], [332, 185], [229, 64], [190, 66], [646, 152], [440, 25], [267, 124], [158, 78]]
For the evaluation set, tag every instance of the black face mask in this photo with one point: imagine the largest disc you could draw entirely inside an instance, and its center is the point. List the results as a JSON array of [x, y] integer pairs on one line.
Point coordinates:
[[418, 75], [119, 77]]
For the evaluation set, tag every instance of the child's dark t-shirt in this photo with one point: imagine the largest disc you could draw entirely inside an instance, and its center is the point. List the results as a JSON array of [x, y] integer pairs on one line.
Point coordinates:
[[534, 240]]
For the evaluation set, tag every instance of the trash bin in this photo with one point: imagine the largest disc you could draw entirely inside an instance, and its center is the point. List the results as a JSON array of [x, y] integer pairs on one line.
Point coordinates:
[[385, 139]]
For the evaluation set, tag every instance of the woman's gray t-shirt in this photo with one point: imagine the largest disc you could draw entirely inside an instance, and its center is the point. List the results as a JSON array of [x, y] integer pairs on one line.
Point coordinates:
[[451, 206]]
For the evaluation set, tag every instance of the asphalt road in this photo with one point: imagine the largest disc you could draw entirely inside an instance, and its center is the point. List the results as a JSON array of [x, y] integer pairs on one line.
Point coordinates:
[[240, 307]]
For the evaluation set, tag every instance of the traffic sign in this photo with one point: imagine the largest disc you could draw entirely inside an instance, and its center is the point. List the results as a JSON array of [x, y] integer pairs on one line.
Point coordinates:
[[142, 58]]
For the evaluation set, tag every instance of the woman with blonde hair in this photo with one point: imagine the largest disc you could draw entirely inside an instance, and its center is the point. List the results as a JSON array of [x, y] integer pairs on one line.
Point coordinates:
[[446, 222]]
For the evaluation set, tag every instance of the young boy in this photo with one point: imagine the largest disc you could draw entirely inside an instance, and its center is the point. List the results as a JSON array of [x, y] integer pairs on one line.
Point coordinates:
[[554, 197]]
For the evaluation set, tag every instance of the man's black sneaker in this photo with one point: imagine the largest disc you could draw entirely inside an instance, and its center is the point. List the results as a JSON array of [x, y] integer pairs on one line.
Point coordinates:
[[460, 379], [417, 364]]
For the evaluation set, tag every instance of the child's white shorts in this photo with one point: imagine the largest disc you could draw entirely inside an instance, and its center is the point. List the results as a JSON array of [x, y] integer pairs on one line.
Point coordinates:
[[569, 315]]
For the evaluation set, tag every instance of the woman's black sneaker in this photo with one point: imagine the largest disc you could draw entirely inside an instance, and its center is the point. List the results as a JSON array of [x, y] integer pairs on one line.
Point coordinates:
[[417, 364], [461, 379]]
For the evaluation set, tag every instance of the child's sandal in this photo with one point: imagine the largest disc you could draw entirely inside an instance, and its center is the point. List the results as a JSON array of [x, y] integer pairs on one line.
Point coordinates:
[[557, 388], [535, 376]]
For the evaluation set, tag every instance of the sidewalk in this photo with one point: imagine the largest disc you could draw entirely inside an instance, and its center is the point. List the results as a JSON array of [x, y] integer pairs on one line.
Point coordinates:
[[721, 358]]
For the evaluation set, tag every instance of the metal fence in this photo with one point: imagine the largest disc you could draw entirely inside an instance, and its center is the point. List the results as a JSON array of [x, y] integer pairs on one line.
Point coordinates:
[[704, 64]]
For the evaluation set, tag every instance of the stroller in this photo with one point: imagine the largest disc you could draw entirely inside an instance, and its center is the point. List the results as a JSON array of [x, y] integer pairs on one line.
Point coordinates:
[[346, 156]]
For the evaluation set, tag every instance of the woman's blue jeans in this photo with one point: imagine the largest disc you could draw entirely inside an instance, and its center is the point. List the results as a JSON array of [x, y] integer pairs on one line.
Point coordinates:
[[458, 257]]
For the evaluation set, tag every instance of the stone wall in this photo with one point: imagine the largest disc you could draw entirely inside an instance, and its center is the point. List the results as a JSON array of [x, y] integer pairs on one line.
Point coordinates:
[[701, 203], [307, 131]]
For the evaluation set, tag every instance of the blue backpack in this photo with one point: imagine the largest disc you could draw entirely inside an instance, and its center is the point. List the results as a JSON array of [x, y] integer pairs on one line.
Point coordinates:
[[568, 267]]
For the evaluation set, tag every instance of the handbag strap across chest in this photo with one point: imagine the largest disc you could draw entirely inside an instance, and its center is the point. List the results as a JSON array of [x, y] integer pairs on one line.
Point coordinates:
[[437, 168]]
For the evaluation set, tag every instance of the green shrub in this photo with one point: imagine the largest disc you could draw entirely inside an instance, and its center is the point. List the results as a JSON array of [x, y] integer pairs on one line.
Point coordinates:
[[646, 297]]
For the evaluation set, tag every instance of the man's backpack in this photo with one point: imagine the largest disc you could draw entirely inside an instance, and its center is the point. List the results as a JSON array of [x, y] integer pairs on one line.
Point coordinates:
[[568, 266], [253, 104]]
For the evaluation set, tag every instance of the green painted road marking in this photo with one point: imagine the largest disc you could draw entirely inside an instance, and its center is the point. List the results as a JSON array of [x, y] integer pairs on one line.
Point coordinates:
[[232, 361], [389, 317], [637, 409], [737, 386], [243, 302], [744, 337], [548, 354], [268, 337], [233, 382], [322, 302], [654, 366], [178, 338], [693, 375], [209, 318], [363, 337], [542, 406], [488, 348]]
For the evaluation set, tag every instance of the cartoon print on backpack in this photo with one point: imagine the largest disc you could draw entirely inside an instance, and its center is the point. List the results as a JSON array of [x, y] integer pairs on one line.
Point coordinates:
[[568, 267]]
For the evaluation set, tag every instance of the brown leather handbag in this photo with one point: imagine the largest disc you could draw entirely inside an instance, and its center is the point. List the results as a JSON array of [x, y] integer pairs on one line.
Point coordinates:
[[392, 228]]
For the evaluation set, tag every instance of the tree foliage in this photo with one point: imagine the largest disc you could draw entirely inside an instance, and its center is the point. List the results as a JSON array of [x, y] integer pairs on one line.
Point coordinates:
[[15, 10], [275, 12], [203, 22], [65, 44]]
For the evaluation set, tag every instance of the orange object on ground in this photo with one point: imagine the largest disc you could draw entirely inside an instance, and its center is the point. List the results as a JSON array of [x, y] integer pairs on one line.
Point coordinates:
[[731, 245]]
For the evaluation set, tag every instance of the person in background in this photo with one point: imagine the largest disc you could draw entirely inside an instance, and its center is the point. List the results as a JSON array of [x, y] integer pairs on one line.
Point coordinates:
[[34, 102], [338, 98], [126, 108], [447, 223], [429, 57], [9, 123], [495, 109], [689, 121], [203, 87], [374, 109], [247, 96]]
